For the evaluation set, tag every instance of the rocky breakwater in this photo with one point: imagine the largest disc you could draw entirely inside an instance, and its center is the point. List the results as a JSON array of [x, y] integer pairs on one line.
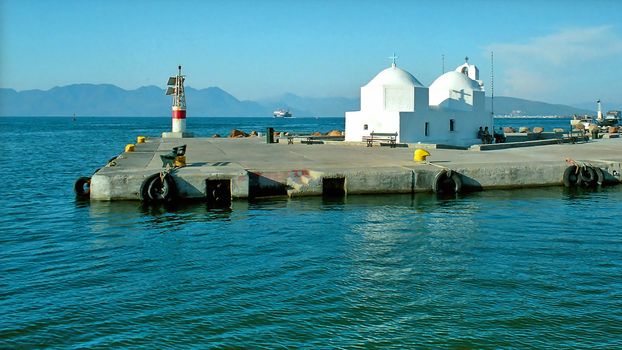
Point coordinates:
[[236, 133]]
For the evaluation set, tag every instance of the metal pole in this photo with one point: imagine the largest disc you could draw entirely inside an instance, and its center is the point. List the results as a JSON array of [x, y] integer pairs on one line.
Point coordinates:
[[492, 91]]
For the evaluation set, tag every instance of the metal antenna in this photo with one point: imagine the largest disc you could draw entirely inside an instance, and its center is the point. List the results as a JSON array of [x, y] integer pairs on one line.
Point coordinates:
[[492, 86]]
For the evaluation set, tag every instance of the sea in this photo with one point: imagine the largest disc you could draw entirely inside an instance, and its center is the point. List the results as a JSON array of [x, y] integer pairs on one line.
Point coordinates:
[[522, 269]]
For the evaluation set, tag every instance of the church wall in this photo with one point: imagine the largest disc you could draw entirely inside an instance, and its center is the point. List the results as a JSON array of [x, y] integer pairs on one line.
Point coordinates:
[[354, 126], [422, 99], [463, 100], [399, 98], [465, 124], [479, 101], [458, 105], [376, 121], [410, 126], [371, 98]]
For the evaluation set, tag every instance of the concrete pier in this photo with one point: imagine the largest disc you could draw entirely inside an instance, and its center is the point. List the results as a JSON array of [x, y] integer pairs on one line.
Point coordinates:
[[254, 168]]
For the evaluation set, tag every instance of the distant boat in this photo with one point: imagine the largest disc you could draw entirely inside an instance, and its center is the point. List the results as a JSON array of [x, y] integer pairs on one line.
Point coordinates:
[[282, 113], [612, 118], [586, 121]]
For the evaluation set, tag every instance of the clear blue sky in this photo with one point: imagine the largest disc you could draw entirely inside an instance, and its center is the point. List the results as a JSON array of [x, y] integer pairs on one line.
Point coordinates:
[[553, 51]]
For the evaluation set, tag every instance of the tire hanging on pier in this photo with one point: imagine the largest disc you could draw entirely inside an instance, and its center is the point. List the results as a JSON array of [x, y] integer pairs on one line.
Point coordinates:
[[447, 182], [82, 187], [571, 176], [158, 188], [583, 175], [600, 176], [587, 175]]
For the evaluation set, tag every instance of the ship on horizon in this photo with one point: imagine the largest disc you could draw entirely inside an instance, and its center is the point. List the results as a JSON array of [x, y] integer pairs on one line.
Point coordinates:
[[282, 113]]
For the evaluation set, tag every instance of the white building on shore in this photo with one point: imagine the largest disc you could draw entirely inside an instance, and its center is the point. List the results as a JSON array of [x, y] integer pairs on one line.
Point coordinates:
[[449, 112]]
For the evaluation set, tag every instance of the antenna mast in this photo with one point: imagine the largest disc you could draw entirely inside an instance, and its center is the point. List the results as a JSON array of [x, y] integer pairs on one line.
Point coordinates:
[[492, 87], [175, 87]]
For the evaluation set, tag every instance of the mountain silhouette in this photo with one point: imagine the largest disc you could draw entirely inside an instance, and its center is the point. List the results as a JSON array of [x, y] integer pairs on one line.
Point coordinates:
[[111, 100]]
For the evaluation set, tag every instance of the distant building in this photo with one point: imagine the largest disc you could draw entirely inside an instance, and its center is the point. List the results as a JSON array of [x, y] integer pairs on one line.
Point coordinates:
[[449, 112]]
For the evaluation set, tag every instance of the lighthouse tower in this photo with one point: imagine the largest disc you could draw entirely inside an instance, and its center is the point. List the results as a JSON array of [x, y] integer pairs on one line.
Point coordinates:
[[176, 89]]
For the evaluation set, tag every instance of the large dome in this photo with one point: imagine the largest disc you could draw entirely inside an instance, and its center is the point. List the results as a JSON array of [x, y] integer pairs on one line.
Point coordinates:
[[454, 81], [394, 76]]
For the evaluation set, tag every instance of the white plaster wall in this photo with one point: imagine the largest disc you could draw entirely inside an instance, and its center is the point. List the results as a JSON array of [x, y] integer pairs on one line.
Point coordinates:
[[354, 126], [386, 122], [376, 121], [479, 101], [412, 128], [372, 98], [399, 98], [437, 97], [461, 100], [458, 104], [422, 99]]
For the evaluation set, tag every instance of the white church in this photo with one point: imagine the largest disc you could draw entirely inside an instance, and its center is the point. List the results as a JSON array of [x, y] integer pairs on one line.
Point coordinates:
[[449, 112]]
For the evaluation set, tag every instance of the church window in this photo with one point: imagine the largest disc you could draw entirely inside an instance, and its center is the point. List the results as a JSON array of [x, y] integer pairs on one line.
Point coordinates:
[[427, 129], [365, 127], [452, 125]]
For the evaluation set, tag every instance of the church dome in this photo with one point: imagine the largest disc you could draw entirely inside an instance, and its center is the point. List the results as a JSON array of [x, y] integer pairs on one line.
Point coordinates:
[[394, 76], [454, 81]]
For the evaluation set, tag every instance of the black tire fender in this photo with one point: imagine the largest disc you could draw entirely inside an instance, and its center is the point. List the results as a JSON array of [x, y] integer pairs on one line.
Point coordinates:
[[82, 187], [600, 176], [447, 181], [158, 188], [587, 175], [571, 176]]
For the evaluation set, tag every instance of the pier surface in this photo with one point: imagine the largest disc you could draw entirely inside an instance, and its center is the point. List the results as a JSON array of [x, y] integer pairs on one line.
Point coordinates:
[[255, 168]]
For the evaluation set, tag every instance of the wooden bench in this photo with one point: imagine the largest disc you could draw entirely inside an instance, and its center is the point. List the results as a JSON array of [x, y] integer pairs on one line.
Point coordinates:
[[576, 136], [313, 139], [391, 137]]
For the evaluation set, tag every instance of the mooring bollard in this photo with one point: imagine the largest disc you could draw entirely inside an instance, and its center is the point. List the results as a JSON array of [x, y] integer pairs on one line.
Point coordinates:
[[420, 155], [270, 135]]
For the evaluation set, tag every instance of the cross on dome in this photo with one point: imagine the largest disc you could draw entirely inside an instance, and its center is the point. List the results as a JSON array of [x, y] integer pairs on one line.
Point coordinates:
[[393, 58], [466, 59]]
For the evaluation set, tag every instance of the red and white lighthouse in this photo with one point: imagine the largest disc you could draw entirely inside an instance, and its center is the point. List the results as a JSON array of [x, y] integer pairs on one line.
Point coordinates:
[[175, 87]]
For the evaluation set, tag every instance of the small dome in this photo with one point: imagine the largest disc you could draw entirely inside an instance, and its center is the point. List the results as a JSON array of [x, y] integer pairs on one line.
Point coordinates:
[[454, 81], [394, 76]]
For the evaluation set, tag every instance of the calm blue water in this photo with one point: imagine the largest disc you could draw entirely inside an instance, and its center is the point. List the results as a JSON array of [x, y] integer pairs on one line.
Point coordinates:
[[537, 268]]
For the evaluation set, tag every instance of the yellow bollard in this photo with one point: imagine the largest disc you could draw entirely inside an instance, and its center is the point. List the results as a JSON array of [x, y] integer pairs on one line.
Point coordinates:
[[129, 147], [420, 155], [140, 139], [180, 161]]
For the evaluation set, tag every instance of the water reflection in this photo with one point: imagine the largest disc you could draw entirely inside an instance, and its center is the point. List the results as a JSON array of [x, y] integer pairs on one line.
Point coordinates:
[[160, 217], [422, 213]]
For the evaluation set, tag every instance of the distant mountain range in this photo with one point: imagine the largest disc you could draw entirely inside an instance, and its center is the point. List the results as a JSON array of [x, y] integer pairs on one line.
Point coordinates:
[[110, 100]]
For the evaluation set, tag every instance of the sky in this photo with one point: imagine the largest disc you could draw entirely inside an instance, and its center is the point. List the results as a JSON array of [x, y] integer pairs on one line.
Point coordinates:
[[553, 51]]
